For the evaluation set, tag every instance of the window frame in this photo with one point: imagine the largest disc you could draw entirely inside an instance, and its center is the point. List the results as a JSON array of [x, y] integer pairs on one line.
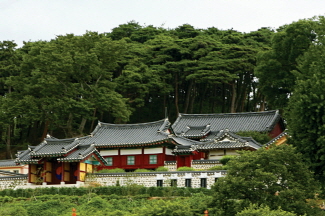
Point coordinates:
[[160, 183], [153, 159], [173, 183], [203, 183], [188, 183], [109, 161], [130, 160]]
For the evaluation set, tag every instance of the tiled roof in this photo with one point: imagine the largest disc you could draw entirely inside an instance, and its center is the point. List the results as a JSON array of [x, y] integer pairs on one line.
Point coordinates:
[[227, 145], [223, 140], [184, 141], [25, 157], [275, 139], [81, 153], [7, 173], [54, 147], [105, 135], [250, 121], [115, 135], [196, 131], [227, 139], [8, 163]]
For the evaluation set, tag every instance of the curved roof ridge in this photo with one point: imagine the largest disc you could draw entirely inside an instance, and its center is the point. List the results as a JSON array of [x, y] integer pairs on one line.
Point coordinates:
[[238, 113], [274, 120], [59, 140], [135, 124]]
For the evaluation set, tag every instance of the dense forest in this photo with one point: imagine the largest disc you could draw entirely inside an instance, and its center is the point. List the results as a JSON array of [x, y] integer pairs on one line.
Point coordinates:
[[135, 74]]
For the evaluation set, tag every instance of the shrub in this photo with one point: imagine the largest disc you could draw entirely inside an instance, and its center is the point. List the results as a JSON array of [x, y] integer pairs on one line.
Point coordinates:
[[161, 169], [185, 169], [218, 167], [116, 170], [142, 170], [225, 159]]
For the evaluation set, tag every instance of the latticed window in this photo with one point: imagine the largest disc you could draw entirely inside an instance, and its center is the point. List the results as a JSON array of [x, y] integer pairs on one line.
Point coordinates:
[[188, 182], [159, 183], [109, 161], [203, 182], [173, 183], [131, 160], [153, 159]]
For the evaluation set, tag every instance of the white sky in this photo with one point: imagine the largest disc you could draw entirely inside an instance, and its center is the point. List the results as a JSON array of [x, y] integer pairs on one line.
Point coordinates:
[[32, 20]]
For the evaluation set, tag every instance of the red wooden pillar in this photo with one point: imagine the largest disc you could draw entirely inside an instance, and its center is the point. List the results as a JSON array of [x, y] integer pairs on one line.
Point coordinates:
[[142, 159], [43, 174], [78, 172], [62, 172]]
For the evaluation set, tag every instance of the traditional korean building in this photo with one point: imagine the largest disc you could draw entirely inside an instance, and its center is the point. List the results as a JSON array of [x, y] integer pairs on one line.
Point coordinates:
[[59, 161], [212, 136], [134, 146], [12, 166], [206, 126], [192, 139]]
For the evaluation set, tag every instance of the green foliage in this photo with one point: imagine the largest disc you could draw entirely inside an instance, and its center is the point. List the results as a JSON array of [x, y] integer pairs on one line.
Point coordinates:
[[276, 177], [185, 168], [225, 159], [305, 113], [274, 66], [260, 137], [161, 169], [218, 167], [13, 210], [263, 210], [142, 170], [188, 201], [115, 170]]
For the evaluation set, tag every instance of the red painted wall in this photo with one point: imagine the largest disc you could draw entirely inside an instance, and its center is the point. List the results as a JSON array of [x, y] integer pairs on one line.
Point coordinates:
[[276, 130], [141, 162]]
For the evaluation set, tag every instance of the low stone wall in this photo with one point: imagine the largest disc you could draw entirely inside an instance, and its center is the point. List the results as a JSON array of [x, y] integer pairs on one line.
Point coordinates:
[[151, 179], [194, 179], [171, 165], [10, 182], [204, 164]]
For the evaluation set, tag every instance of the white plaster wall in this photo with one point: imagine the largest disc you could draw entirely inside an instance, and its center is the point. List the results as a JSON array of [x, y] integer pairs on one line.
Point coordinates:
[[216, 154], [131, 151], [153, 150], [109, 152], [231, 152], [168, 151]]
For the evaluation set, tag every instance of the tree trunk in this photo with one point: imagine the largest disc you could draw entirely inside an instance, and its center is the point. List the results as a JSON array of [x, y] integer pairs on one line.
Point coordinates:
[[188, 95], [46, 126], [82, 125], [233, 98], [69, 125], [93, 121], [176, 95], [8, 143], [192, 99]]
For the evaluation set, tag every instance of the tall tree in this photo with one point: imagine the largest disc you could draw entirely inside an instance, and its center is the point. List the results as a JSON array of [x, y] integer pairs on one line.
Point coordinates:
[[306, 110], [274, 66], [275, 177]]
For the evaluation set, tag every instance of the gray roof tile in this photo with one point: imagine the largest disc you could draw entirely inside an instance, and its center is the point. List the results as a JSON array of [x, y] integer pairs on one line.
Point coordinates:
[[250, 121], [129, 134], [8, 163]]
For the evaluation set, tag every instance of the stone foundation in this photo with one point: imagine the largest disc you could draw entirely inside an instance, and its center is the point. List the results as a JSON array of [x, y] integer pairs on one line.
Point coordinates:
[[12, 182], [171, 165], [147, 179], [153, 179], [204, 164]]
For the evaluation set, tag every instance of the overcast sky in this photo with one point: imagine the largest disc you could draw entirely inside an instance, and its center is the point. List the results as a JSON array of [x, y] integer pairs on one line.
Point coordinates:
[[32, 20]]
